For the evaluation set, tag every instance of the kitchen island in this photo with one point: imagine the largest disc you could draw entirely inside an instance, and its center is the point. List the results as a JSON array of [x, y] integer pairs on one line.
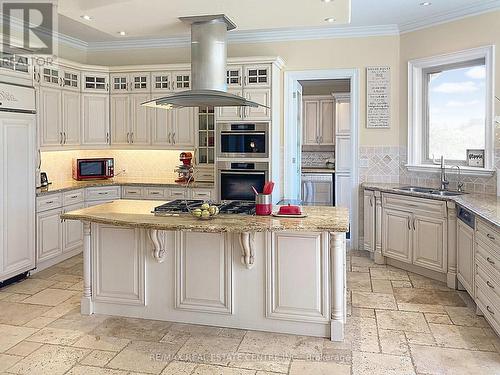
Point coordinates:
[[239, 271]]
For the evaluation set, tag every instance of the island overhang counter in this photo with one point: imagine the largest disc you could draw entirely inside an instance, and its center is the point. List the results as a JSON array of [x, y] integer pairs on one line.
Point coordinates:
[[240, 271]]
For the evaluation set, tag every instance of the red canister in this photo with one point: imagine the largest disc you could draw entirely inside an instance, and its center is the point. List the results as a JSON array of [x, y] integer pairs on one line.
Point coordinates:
[[263, 204]]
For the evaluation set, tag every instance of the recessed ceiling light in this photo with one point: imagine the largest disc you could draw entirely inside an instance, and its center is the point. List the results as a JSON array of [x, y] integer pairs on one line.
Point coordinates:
[[86, 17], [330, 19], [327, 1], [426, 3], [122, 33]]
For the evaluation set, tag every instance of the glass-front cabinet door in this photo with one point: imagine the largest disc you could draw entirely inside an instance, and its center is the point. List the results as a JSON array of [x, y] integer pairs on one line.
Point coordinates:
[[206, 136], [181, 81], [161, 81], [234, 76], [139, 82], [96, 82], [257, 76], [119, 83]]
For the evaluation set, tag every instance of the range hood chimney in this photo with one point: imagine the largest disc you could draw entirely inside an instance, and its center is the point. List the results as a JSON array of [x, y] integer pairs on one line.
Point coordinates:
[[208, 68]]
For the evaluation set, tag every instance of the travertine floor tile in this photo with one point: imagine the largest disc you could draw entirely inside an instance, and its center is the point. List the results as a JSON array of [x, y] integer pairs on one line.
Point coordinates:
[[445, 361], [195, 330], [438, 318], [280, 344], [108, 343], [362, 312], [380, 364], [24, 348], [144, 356], [423, 282], [401, 320], [133, 329], [56, 336], [428, 296], [255, 362], [373, 300], [358, 281], [98, 358], [211, 349], [66, 277], [452, 336], [393, 342], [8, 360], [49, 359], [381, 286], [421, 307], [84, 324], [16, 297], [40, 322], [179, 368], [29, 286], [219, 370], [301, 367], [19, 313], [420, 338], [49, 297], [388, 274], [465, 316], [91, 370], [401, 284], [360, 269], [12, 335]]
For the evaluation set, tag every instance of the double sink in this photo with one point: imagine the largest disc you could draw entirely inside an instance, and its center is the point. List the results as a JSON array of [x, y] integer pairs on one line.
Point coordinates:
[[424, 190]]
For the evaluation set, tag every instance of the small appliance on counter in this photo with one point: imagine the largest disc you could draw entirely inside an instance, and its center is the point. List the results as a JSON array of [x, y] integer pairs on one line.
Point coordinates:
[[93, 168], [44, 180], [185, 170]]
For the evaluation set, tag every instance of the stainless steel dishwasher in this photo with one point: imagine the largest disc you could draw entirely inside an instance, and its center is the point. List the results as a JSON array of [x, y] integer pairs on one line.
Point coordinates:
[[318, 189]]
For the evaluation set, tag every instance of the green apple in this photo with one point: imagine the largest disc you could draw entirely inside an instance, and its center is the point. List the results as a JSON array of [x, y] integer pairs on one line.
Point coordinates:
[[205, 214], [214, 210], [205, 206], [197, 212]]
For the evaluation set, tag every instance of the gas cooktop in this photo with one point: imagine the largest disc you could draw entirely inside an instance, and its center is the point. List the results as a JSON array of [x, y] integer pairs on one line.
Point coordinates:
[[185, 205]]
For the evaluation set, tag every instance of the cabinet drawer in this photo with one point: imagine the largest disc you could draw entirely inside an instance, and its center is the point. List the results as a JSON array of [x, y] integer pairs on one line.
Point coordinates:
[[155, 193], [488, 233], [48, 202], [73, 197], [485, 257], [131, 192], [490, 285], [205, 194], [412, 204], [96, 194], [489, 307], [205, 176], [176, 194]]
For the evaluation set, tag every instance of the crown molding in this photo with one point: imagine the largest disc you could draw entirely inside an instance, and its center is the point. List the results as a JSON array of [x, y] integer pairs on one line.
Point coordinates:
[[455, 15]]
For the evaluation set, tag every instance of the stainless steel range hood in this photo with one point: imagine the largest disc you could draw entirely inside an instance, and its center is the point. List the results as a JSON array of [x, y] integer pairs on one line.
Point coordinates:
[[208, 68]]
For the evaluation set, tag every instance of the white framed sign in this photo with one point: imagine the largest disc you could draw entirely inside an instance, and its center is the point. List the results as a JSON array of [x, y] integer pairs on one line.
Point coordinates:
[[378, 97], [475, 158]]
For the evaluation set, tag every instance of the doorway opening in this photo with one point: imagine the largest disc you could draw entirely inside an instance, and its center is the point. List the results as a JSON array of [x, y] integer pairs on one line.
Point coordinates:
[[321, 140]]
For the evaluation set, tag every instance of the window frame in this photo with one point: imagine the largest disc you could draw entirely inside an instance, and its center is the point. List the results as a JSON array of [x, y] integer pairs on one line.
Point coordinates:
[[417, 107]]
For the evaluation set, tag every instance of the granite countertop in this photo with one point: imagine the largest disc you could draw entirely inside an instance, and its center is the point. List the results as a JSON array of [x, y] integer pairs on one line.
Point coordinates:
[[317, 170], [137, 214], [57, 187], [486, 206]]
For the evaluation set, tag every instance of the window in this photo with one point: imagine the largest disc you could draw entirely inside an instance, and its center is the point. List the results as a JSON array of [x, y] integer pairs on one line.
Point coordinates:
[[450, 109]]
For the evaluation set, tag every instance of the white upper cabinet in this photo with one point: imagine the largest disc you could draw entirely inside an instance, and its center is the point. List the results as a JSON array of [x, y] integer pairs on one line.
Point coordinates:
[[50, 117], [342, 114], [120, 119], [257, 76], [234, 76], [181, 81], [95, 123], [71, 80], [260, 96], [140, 125], [130, 82], [161, 127], [319, 121], [184, 127], [71, 115], [51, 76], [119, 83], [231, 113], [95, 82], [140, 82], [161, 81]]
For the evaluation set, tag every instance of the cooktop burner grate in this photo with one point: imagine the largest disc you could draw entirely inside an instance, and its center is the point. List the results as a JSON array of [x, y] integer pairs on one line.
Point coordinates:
[[185, 205]]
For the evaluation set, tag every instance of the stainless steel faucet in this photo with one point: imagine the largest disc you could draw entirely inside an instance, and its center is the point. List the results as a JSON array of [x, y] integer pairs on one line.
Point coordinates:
[[444, 181]]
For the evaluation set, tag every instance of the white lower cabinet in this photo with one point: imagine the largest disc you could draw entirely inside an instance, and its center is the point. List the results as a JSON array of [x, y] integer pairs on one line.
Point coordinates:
[[414, 231], [49, 234], [118, 248], [297, 277], [465, 256], [396, 237], [72, 230], [203, 270], [369, 220]]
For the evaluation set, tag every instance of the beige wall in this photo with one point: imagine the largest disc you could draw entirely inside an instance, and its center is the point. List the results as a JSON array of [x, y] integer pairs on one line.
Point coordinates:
[[467, 33], [298, 55]]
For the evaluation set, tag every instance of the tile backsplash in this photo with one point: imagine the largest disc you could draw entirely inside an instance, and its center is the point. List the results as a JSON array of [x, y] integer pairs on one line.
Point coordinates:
[[136, 163], [316, 158]]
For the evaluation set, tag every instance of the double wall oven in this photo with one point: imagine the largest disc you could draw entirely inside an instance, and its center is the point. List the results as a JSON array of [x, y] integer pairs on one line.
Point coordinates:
[[243, 159]]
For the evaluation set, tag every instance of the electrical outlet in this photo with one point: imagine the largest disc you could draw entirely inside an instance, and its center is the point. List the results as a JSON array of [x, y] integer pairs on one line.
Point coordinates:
[[497, 119]]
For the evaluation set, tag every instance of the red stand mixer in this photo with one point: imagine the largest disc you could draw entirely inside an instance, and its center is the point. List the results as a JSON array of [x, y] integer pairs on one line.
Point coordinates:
[[185, 170]]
